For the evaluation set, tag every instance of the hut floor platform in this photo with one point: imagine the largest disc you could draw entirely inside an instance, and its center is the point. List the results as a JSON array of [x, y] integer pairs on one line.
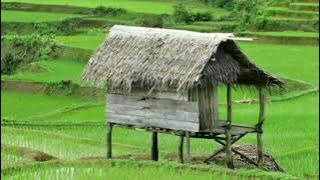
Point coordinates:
[[225, 134], [217, 132]]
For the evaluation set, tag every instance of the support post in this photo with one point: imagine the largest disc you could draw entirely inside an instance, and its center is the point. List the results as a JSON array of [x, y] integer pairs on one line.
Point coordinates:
[[181, 149], [188, 147], [154, 147], [262, 117], [109, 140], [229, 158]]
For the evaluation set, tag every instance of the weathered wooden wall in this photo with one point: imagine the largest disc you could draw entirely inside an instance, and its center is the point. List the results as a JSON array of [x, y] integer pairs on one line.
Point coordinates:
[[153, 112], [208, 107]]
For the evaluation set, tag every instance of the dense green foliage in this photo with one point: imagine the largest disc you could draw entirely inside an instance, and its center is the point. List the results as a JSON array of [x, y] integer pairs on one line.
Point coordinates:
[[19, 50], [182, 14], [228, 4], [102, 11]]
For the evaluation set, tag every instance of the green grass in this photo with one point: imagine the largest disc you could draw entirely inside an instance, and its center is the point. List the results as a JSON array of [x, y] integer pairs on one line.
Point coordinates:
[[142, 6], [24, 16], [54, 70]]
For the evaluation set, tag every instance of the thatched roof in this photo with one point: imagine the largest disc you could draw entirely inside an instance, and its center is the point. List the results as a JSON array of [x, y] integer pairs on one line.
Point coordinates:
[[163, 59]]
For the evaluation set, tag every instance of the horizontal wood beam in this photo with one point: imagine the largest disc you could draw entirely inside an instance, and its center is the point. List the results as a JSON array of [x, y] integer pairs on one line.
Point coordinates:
[[241, 38]]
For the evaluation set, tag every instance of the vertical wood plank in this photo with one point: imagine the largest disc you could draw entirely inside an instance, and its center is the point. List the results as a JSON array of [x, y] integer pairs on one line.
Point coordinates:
[[181, 149], [109, 140], [154, 147], [229, 158], [262, 117], [208, 106], [188, 147], [215, 105]]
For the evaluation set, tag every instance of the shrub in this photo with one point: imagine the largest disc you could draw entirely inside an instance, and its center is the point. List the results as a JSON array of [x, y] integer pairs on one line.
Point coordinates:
[[181, 14], [227, 4], [103, 11], [205, 16], [68, 26], [9, 63], [19, 50], [260, 22], [64, 87], [151, 21], [247, 11], [228, 27]]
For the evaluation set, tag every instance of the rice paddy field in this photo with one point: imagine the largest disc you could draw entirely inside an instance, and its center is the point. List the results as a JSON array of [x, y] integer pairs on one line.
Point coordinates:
[[144, 6], [22, 16], [58, 136]]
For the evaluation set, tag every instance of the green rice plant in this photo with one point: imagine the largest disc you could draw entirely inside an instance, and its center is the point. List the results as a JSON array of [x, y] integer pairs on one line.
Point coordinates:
[[23, 103], [84, 41], [284, 60], [305, 6], [55, 71], [282, 129], [135, 170], [285, 37], [285, 12], [292, 24]]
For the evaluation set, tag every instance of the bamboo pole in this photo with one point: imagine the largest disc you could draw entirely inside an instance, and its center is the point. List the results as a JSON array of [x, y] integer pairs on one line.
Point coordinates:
[[229, 158], [109, 140], [262, 117], [181, 149], [154, 147]]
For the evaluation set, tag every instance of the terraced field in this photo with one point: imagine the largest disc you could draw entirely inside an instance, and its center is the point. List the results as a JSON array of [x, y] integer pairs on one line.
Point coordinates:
[[144, 6], [48, 131], [22, 16]]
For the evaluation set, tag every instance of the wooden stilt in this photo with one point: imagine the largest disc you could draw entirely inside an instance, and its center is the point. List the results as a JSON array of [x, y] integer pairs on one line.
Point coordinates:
[[181, 149], [229, 158], [188, 147], [109, 140], [154, 147], [262, 102], [229, 105]]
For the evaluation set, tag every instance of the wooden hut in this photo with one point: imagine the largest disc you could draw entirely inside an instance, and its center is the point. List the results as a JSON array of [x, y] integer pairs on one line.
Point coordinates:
[[166, 81]]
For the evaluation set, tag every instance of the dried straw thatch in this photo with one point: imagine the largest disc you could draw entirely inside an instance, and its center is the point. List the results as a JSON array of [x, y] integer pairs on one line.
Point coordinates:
[[163, 59]]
